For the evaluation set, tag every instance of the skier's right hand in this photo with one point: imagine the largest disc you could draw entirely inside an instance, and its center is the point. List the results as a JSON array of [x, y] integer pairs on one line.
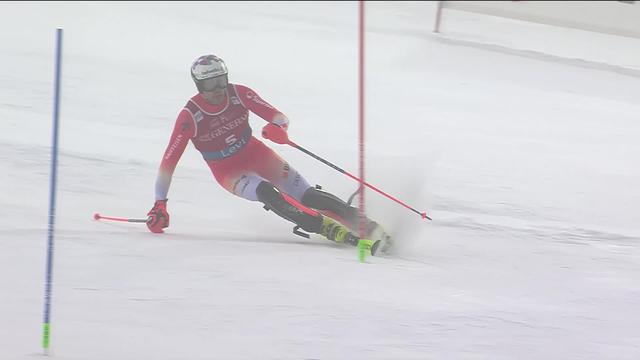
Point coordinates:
[[158, 217], [275, 133]]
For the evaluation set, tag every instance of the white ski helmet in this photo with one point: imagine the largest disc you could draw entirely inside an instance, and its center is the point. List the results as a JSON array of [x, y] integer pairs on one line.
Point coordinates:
[[209, 72]]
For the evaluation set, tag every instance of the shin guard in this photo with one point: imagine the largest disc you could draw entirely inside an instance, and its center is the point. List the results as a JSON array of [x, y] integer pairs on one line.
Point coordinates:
[[288, 208]]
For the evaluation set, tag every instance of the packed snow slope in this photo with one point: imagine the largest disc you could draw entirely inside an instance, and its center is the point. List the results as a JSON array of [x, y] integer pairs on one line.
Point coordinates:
[[527, 164]]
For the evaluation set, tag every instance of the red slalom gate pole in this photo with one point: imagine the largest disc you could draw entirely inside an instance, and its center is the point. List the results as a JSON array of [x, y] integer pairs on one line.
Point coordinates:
[[361, 117], [97, 216]]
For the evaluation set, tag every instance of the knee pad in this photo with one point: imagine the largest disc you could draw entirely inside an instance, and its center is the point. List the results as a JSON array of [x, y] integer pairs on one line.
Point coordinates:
[[246, 186]]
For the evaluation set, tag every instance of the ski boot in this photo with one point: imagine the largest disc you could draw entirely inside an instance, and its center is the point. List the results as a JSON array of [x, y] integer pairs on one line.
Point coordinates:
[[334, 231]]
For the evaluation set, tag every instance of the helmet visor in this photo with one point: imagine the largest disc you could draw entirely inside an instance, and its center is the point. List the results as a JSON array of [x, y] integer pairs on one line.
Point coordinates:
[[218, 82]]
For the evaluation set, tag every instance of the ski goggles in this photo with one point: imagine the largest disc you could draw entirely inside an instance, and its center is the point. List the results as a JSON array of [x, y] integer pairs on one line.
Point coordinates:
[[218, 82]]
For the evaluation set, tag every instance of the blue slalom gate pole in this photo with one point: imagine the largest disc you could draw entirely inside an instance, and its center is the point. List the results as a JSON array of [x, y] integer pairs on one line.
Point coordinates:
[[46, 331]]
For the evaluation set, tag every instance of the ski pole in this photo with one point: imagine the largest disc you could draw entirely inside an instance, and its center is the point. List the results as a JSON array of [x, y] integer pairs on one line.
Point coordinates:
[[279, 136], [97, 216]]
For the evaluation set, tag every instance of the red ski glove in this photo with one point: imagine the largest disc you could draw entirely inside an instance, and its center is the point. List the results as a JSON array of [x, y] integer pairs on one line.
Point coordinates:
[[275, 133], [158, 217]]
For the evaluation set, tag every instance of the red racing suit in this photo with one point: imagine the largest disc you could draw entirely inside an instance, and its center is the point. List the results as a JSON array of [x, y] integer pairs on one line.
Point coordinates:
[[222, 134]]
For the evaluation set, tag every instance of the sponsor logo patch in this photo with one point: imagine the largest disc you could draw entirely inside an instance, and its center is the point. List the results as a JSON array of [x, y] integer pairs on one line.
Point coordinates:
[[198, 116]]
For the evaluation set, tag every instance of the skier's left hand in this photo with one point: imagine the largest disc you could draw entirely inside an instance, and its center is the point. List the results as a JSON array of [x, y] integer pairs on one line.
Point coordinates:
[[275, 133]]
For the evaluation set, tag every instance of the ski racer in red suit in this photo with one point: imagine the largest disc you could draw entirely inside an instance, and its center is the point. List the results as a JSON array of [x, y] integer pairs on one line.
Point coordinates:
[[216, 122]]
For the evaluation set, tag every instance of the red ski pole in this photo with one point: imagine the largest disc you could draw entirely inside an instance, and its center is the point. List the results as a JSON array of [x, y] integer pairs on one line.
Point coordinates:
[[97, 216], [279, 136]]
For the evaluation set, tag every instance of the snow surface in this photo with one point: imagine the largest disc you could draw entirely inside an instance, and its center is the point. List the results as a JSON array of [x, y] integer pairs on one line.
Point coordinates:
[[527, 164]]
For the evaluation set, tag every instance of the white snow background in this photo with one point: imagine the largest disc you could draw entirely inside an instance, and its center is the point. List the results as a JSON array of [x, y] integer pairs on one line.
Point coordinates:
[[528, 165]]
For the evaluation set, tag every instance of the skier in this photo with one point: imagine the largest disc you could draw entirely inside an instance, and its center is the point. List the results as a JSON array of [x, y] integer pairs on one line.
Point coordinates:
[[216, 122]]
